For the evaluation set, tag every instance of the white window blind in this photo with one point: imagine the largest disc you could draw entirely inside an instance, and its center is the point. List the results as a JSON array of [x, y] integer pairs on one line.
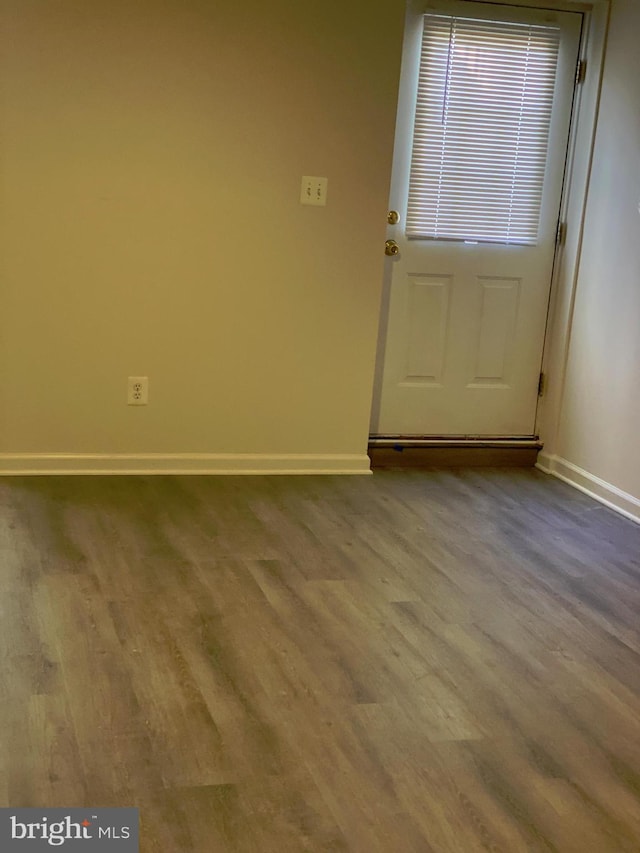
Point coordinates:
[[483, 113]]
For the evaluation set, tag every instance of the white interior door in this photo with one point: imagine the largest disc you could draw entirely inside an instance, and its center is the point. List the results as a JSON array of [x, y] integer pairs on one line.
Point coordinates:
[[481, 141]]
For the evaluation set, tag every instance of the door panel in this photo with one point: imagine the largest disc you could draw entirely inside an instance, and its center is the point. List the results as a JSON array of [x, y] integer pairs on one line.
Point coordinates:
[[427, 315], [464, 328], [497, 313]]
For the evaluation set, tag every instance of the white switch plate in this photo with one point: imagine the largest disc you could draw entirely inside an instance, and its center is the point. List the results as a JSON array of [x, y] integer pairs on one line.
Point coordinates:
[[313, 190]]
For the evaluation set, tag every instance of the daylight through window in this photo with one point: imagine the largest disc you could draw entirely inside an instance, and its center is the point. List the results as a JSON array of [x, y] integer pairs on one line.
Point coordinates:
[[483, 114]]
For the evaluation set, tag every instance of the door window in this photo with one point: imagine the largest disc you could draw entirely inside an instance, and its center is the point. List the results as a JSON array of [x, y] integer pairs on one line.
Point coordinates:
[[481, 133]]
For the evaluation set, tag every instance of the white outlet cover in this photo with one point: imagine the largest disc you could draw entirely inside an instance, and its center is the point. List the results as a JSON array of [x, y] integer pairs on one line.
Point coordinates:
[[137, 390], [313, 190]]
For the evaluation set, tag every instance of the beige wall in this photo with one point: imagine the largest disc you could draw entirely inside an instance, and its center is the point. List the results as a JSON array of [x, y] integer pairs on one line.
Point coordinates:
[[600, 416], [151, 156]]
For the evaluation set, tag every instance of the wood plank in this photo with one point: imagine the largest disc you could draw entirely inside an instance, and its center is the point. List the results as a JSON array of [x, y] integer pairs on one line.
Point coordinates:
[[403, 458], [438, 661]]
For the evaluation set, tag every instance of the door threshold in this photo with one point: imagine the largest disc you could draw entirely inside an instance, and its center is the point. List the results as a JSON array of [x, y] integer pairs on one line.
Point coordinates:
[[410, 452]]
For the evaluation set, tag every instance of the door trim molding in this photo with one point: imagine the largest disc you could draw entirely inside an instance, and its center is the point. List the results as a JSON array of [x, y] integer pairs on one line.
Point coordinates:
[[573, 209]]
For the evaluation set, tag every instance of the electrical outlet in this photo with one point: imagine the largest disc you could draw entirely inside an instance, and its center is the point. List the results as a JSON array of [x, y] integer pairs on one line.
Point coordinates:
[[313, 191], [137, 390]]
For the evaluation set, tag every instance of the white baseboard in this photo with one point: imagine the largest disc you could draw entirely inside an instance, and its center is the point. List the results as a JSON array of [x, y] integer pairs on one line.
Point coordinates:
[[182, 463], [607, 494]]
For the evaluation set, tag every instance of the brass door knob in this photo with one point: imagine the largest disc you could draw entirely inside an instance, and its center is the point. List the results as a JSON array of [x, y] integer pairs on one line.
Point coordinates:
[[391, 247], [393, 217]]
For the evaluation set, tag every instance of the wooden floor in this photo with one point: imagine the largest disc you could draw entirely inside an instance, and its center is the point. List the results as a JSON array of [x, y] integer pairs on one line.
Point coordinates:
[[440, 662]]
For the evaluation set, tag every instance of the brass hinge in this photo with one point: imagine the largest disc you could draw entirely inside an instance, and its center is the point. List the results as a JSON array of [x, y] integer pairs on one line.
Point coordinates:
[[581, 71], [542, 384], [561, 233]]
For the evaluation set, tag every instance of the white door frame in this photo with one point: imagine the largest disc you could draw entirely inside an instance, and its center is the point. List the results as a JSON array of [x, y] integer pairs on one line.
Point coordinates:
[[572, 212], [573, 208]]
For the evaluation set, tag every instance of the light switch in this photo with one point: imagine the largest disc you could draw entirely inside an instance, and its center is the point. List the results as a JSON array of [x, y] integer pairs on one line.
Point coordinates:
[[313, 190]]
